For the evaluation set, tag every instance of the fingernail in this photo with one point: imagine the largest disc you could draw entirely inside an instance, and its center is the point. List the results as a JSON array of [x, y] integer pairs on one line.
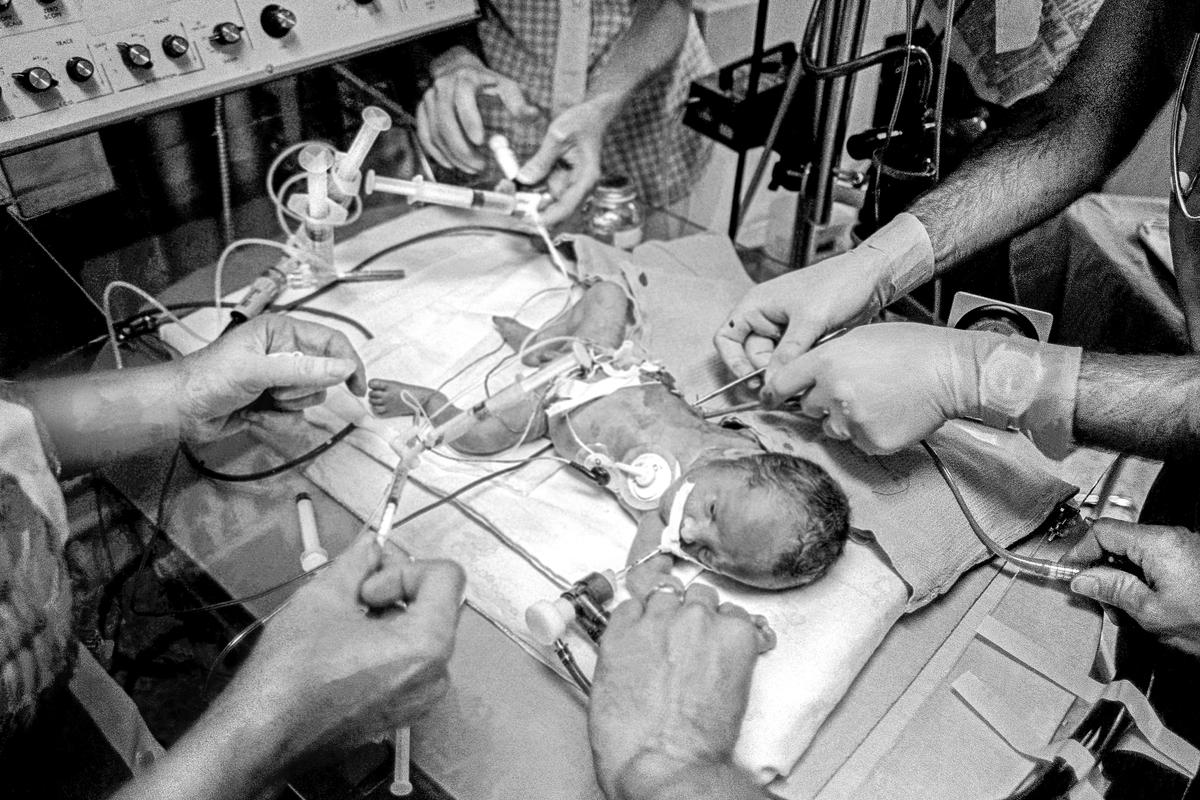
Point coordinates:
[[1085, 585], [755, 384]]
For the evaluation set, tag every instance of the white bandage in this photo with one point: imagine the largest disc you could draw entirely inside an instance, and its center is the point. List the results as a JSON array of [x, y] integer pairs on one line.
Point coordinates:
[[899, 256], [672, 539]]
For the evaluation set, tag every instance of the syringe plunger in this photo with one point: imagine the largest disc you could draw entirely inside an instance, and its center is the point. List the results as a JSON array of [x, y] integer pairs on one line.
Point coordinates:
[[375, 122]]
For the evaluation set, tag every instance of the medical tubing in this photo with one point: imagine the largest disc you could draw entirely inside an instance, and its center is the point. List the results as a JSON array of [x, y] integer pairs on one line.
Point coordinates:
[[563, 651], [1036, 566], [861, 62], [246, 477]]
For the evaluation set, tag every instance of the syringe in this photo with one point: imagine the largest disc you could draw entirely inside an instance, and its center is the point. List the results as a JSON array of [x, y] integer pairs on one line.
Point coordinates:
[[419, 190], [347, 170]]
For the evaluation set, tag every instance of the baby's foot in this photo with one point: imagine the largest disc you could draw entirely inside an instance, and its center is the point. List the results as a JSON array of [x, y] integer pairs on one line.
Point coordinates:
[[385, 399]]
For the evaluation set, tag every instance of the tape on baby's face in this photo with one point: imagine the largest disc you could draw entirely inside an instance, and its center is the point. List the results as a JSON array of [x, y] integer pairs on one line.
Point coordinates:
[[671, 541]]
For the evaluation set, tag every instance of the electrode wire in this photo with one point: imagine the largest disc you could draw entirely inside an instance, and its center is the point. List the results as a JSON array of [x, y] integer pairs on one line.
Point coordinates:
[[108, 321]]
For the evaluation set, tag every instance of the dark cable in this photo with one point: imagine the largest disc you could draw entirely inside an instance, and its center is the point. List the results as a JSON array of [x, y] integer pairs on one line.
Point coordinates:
[[458, 230], [246, 477]]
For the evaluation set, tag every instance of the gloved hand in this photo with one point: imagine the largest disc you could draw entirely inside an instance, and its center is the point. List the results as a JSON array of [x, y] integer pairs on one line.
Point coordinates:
[[569, 157], [449, 125], [670, 690], [778, 320], [218, 383], [889, 385], [1168, 603]]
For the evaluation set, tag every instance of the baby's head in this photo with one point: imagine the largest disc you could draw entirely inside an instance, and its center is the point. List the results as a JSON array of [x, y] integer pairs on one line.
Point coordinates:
[[765, 519]]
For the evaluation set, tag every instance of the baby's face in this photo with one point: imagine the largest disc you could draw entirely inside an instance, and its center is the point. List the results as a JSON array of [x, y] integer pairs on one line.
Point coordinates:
[[730, 527]]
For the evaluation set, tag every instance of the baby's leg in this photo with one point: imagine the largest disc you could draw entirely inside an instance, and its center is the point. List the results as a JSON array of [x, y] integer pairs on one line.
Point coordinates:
[[488, 436], [600, 317]]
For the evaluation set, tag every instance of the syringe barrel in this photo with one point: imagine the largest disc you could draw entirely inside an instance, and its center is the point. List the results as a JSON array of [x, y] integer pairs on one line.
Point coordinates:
[[316, 160], [461, 197], [375, 122]]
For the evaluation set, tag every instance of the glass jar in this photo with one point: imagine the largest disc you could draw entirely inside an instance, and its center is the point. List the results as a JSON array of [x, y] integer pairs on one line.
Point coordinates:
[[612, 213]]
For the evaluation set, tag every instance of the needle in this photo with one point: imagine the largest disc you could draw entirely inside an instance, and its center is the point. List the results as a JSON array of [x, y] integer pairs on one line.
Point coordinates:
[[702, 400]]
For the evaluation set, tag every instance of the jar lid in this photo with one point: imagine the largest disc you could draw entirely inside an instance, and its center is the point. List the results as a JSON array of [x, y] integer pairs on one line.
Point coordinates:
[[614, 189]]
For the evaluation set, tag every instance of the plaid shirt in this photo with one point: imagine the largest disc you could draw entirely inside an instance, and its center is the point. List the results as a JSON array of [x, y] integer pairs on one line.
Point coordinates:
[[647, 142]]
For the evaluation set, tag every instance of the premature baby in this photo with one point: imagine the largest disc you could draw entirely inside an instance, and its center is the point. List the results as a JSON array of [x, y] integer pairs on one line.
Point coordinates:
[[764, 519]]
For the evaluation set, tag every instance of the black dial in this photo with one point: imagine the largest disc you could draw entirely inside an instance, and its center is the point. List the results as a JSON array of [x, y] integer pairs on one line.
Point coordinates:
[[36, 79], [135, 56], [5, 5], [277, 21], [364, 2], [174, 45], [80, 69], [226, 33]]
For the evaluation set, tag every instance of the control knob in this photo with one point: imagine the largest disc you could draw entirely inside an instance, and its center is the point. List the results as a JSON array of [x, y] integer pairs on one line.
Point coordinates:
[[175, 46], [277, 21], [135, 56], [80, 69], [226, 33], [364, 2], [36, 79]]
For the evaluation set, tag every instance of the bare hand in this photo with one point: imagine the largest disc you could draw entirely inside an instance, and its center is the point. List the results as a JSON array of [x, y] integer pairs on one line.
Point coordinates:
[[670, 689], [449, 125], [343, 662], [1168, 603], [219, 382], [569, 158]]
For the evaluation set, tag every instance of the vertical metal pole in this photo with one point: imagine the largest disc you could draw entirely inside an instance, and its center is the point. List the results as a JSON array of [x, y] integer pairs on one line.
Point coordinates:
[[760, 33], [843, 17]]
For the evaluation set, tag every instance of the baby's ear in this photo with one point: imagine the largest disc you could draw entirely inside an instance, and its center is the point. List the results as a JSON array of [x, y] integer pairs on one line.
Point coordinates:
[[648, 537]]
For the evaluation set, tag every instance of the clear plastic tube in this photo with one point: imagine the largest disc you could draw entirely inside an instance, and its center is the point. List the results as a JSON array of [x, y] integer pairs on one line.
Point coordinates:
[[315, 160], [375, 122]]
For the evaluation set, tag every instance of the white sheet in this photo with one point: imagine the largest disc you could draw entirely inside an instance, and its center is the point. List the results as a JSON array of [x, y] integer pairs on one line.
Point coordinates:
[[435, 322]]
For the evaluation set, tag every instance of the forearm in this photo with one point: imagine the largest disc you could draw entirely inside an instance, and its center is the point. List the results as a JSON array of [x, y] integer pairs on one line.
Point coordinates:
[[653, 41], [1147, 405], [657, 778], [232, 752], [94, 418], [1063, 142]]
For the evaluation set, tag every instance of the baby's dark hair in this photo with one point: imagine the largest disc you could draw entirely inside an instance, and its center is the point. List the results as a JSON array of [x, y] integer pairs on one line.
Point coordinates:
[[820, 508]]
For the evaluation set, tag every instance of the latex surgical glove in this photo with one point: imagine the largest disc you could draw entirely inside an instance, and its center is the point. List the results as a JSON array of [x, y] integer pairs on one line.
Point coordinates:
[[780, 319], [271, 363], [890, 385], [568, 159], [670, 690], [1167, 604], [449, 125]]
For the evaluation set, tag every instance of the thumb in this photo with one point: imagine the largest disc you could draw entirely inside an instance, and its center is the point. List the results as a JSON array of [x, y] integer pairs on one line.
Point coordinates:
[[514, 101], [1114, 587], [357, 563], [315, 372], [796, 341], [535, 170], [788, 378]]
